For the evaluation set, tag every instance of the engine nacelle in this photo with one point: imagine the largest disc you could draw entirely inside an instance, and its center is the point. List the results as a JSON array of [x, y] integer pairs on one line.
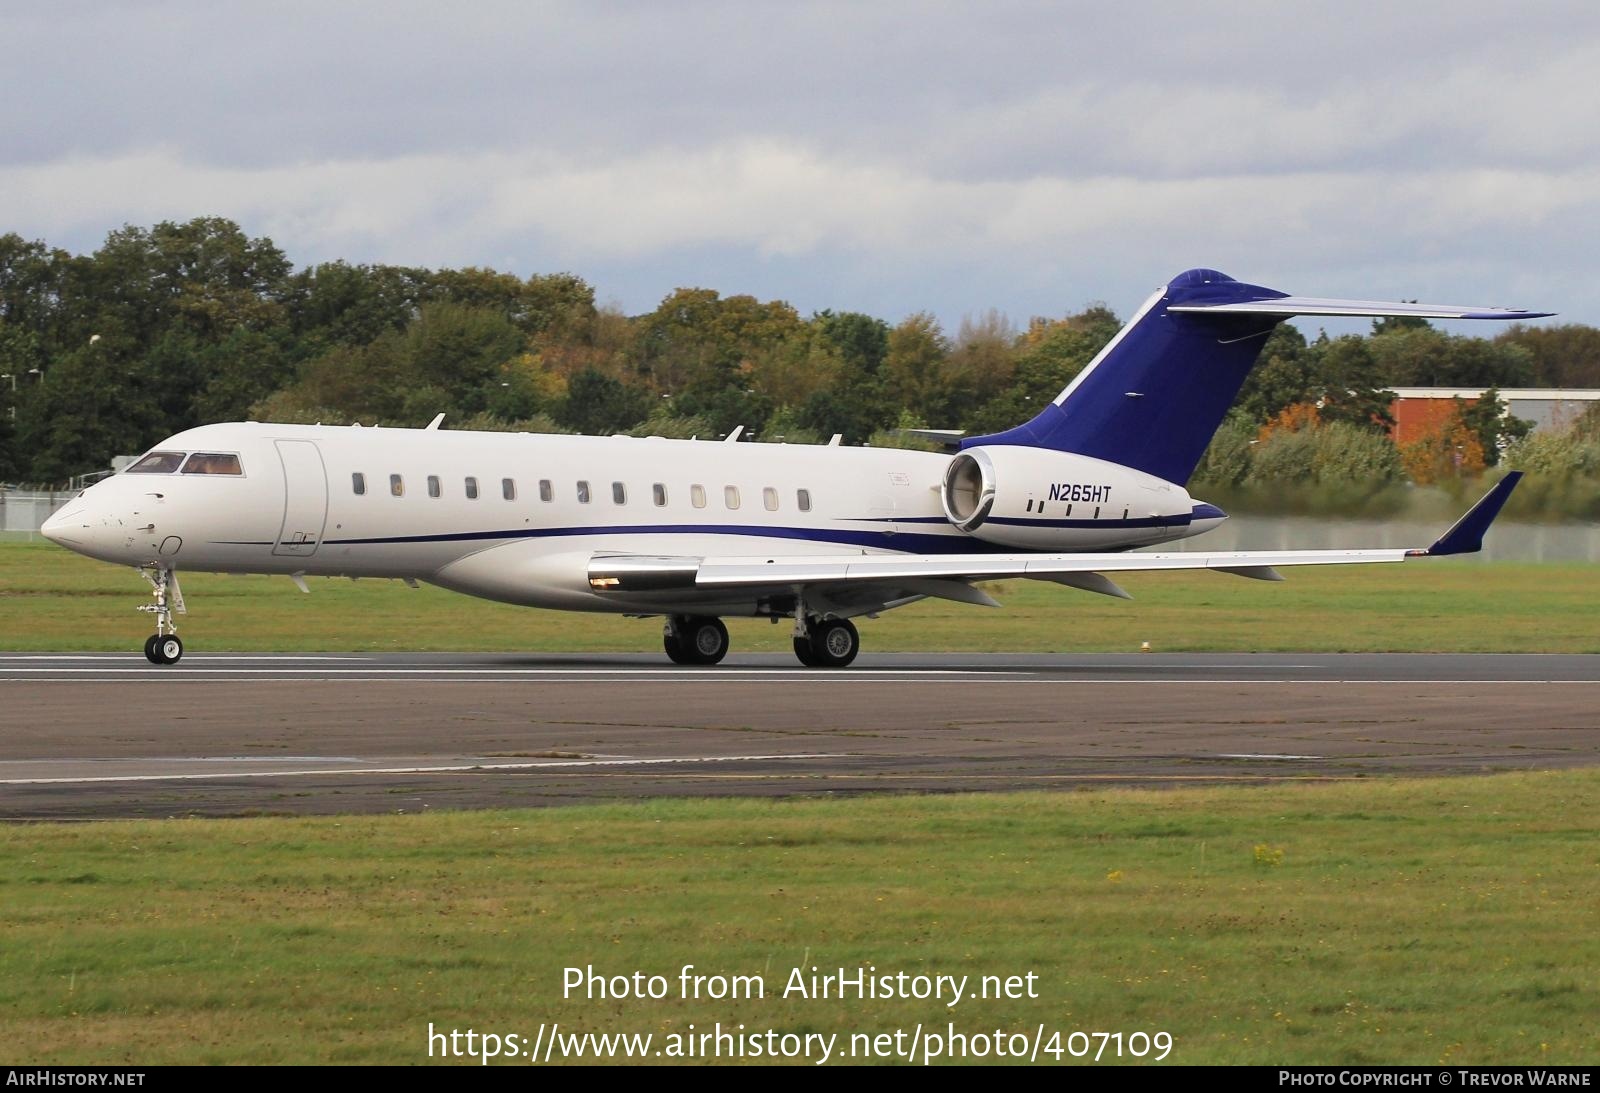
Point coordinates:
[[1039, 499]]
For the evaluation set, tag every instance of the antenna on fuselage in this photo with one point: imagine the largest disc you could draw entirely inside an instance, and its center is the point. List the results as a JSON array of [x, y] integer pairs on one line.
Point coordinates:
[[733, 437], [434, 424]]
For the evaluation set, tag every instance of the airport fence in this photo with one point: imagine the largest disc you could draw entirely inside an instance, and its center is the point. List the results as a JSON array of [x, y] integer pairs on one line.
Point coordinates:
[[1506, 541], [22, 512]]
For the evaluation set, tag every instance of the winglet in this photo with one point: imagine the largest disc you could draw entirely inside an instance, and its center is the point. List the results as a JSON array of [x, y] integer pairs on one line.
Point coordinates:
[[1466, 535]]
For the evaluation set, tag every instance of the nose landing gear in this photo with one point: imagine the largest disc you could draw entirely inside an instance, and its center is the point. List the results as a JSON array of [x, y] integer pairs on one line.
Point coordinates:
[[164, 646]]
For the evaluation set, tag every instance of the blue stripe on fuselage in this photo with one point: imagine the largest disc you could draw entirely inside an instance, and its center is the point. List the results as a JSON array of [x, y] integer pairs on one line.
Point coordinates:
[[911, 542]]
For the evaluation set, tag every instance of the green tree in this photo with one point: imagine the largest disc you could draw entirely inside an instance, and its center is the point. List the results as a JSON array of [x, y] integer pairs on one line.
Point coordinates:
[[913, 366], [1424, 357], [1495, 429], [1282, 376], [598, 404], [1347, 383], [1563, 356], [336, 304], [1048, 357]]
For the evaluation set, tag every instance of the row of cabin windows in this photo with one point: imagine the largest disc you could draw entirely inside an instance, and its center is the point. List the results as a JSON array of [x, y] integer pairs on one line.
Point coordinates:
[[619, 492]]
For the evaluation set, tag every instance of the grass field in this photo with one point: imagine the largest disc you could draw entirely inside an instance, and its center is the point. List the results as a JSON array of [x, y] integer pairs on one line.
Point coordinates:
[[1449, 920], [51, 599]]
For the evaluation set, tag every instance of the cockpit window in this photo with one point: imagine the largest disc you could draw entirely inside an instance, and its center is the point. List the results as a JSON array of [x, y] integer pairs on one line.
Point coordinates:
[[157, 463], [212, 463]]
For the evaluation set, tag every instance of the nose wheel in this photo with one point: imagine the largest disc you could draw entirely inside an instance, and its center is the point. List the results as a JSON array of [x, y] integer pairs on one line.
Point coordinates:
[[163, 650], [164, 646]]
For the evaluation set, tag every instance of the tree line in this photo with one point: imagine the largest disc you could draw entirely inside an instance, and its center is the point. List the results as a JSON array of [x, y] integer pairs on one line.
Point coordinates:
[[179, 324]]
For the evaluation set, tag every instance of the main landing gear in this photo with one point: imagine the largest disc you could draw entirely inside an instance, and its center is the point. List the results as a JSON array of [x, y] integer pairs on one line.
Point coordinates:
[[818, 643], [164, 646], [826, 643], [694, 639]]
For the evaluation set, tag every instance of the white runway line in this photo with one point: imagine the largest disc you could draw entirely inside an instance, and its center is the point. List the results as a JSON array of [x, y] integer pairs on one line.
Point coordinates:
[[661, 674], [268, 657], [1247, 755], [1016, 677], [466, 767]]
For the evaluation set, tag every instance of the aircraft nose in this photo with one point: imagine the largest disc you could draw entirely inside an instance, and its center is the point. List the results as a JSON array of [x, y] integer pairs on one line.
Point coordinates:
[[58, 528]]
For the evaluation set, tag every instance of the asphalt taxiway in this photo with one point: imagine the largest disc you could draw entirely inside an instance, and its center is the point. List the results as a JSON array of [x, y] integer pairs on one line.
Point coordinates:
[[100, 735]]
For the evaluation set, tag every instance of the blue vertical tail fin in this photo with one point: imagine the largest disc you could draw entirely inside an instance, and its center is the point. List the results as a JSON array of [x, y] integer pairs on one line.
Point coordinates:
[[1154, 396]]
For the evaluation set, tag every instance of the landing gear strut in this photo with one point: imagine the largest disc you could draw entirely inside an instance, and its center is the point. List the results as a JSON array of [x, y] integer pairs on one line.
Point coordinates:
[[164, 646], [822, 642], [694, 639]]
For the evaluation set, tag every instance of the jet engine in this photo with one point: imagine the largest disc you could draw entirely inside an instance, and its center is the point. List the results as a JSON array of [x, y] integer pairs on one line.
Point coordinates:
[[1041, 499]]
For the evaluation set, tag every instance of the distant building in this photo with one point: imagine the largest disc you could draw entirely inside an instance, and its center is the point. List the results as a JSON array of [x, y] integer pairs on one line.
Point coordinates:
[[1418, 411]]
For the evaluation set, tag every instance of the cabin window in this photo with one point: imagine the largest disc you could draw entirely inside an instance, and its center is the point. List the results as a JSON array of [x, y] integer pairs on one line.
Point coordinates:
[[508, 489], [697, 496], [212, 463], [157, 463], [358, 483], [583, 493], [659, 492], [619, 493], [434, 489], [730, 496], [547, 492], [472, 489], [769, 498], [803, 498], [397, 485]]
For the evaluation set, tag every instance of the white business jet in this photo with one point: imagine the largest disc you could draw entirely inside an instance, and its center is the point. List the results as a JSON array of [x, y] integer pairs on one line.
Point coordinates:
[[693, 530]]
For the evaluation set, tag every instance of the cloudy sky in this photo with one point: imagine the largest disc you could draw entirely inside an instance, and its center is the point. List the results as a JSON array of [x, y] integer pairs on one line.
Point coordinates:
[[884, 157]]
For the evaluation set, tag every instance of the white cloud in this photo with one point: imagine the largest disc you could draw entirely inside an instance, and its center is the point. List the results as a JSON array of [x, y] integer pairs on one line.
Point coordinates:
[[788, 201], [1020, 155]]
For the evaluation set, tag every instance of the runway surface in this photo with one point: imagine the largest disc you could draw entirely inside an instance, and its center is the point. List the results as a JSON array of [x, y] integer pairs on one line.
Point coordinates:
[[101, 735]]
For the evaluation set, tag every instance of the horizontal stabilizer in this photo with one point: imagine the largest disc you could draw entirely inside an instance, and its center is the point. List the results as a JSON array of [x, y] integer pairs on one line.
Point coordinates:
[[1285, 306]]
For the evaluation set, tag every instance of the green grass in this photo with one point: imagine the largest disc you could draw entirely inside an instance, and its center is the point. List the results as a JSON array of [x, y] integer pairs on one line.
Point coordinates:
[[51, 599], [1448, 920]]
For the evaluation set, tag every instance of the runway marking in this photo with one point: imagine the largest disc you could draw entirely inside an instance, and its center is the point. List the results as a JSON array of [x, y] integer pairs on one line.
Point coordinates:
[[1019, 677], [1248, 755], [210, 659], [459, 768], [797, 670]]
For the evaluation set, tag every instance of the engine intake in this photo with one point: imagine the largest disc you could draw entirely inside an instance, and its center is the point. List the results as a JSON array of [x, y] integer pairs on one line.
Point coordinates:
[[968, 493]]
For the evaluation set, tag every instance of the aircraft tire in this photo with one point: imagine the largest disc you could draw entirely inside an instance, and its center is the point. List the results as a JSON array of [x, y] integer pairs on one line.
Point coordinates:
[[675, 650], [168, 650], [150, 648], [803, 653], [835, 643], [706, 639]]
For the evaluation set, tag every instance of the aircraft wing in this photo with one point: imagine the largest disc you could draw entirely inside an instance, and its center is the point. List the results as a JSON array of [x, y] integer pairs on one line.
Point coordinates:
[[934, 574]]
